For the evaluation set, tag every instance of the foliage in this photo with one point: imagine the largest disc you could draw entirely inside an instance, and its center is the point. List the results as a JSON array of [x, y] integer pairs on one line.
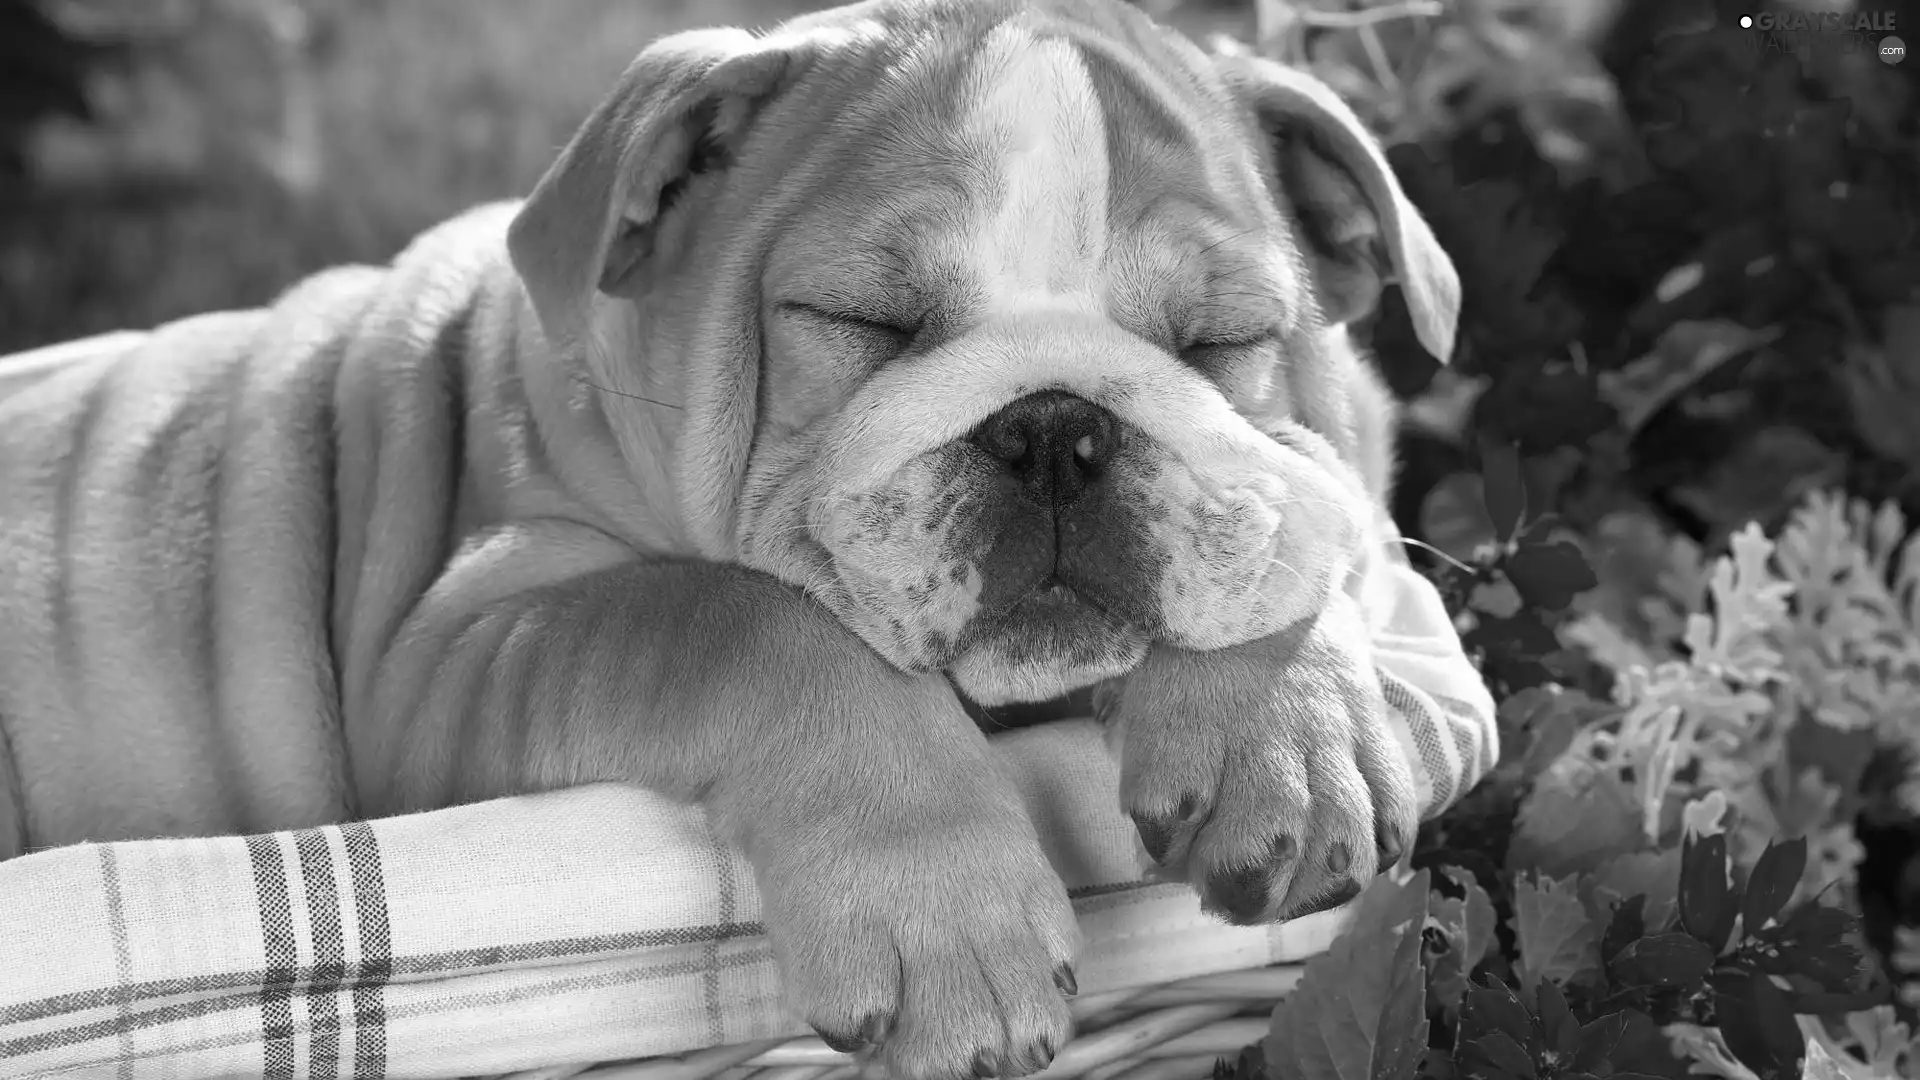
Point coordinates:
[[1666, 482], [1679, 891]]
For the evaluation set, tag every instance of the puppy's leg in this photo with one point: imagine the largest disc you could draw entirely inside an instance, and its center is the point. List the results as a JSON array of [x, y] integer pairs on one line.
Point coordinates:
[[1266, 771], [905, 890]]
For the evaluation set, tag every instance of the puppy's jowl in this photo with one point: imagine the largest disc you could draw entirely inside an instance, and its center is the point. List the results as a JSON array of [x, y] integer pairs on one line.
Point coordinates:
[[999, 350]]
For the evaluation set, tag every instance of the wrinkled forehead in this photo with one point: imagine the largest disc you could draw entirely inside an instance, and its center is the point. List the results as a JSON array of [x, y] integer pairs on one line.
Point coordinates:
[[1070, 151]]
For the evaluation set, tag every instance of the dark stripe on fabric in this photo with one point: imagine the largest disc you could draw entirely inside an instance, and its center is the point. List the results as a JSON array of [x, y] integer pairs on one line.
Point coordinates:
[[1485, 734], [122, 954], [276, 939], [1469, 741], [329, 952], [1088, 891], [1425, 728], [710, 980], [428, 965], [199, 1009], [376, 951]]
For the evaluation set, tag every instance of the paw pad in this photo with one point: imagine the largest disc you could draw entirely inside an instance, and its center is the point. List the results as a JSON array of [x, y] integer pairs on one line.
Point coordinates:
[[1240, 894]]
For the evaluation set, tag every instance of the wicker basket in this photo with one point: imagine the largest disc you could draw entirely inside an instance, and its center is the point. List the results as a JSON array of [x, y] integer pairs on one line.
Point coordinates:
[[1172, 1031]]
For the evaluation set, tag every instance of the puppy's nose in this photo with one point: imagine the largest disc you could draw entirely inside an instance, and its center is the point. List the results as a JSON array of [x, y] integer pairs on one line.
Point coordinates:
[[1054, 442]]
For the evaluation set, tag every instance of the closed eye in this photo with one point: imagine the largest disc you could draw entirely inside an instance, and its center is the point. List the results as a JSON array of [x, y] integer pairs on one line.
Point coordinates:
[[1218, 345], [857, 322]]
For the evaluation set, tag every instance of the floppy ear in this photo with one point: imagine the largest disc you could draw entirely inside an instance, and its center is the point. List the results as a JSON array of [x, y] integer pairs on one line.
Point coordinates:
[[680, 110], [1348, 204]]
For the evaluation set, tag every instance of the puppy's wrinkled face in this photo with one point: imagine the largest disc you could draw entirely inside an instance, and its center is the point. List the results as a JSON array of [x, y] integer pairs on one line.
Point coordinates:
[[1031, 388]]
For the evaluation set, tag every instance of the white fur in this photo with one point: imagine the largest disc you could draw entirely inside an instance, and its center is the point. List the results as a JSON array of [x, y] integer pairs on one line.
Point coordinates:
[[1043, 247]]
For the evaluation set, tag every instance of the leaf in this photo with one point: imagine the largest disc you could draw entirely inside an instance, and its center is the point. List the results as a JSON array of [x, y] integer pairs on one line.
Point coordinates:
[[1884, 385], [1775, 876], [1551, 406], [1249, 1064], [1686, 352], [1453, 516], [1758, 1026], [1704, 816], [1627, 926], [1652, 874], [1557, 938], [1469, 926], [1625, 1044], [1539, 723], [1549, 573], [1666, 961], [1505, 488], [1558, 1029], [1814, 941], [1497, 1056], [1360, 1007], [1438, 1065], [1707, 904], [1760, 477], [1523, 635], [1497, 1032], [1595, 1043], [1821, 1065], [1574, 821]]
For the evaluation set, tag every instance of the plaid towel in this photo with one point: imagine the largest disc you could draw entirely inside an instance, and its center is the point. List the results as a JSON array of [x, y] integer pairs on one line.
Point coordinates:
[[596, 924]]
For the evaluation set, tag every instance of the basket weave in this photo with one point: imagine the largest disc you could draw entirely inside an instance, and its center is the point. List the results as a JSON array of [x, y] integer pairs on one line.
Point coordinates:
[[1169, 1031]]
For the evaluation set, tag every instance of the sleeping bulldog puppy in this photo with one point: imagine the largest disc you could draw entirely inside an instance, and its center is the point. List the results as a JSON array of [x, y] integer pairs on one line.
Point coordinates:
[[915, 353]]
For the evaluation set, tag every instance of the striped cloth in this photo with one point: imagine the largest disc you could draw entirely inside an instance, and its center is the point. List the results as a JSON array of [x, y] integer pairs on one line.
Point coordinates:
[[596, 924]]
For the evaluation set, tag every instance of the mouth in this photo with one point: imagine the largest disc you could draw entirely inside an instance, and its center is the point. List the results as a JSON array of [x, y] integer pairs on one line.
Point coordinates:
[[1053, 624], [1053, 618], [1025, 714]]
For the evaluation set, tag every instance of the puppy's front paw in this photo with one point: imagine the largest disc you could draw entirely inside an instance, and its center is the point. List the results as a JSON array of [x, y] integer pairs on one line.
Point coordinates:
[[1265, 773], [938, 941]]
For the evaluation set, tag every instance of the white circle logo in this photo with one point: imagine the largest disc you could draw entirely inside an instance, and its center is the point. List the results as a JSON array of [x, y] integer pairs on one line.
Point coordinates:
[[1892, 49]]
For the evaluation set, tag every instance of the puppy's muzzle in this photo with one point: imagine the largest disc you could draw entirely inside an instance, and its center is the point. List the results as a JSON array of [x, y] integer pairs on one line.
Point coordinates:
[[1065, 533], [1055, 445]]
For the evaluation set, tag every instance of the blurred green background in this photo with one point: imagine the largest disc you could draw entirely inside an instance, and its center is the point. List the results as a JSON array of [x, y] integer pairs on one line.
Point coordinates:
[[168, 157]]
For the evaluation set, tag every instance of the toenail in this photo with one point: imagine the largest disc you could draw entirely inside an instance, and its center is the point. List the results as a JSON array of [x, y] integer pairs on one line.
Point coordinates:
[[1063, 978], [1392, 846], [1339, 858], [984, 1067], [1156, 835], [845, 1044]]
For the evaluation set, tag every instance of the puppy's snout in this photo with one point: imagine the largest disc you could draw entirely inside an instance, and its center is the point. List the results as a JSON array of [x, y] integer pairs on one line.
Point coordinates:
[[1055, 444]]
